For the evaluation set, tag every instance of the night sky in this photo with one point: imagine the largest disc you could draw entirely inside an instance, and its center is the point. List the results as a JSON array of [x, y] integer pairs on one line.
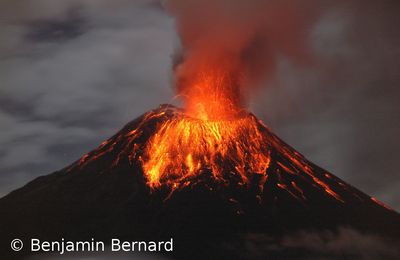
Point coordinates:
[[73, 72]]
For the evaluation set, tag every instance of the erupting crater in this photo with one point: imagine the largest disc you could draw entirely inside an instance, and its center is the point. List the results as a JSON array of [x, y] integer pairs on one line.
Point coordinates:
[[174, 151], [183, 147]]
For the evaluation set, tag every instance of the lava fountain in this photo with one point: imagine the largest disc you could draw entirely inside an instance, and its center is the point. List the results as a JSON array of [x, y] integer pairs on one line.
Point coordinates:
[[214, 133], [225, 53]]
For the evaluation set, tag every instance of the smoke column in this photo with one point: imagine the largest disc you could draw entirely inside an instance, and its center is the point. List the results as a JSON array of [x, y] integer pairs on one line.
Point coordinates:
[[229, 47]]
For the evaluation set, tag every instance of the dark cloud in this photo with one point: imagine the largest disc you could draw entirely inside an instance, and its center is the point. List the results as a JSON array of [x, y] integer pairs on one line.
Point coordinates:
[[70, 79], [73, 72], [52, 30]]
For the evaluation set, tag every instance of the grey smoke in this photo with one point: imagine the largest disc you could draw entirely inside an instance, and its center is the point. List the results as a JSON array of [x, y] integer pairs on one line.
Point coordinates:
[[245, 39]]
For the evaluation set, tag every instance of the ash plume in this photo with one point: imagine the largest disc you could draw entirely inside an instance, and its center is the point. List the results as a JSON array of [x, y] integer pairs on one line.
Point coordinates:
[[240, 40]]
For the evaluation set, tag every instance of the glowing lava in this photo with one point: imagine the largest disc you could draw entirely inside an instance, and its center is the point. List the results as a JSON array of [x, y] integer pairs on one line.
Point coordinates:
[[184, 147], [175, 150], [213, 137], [214, 134], [213, 95]]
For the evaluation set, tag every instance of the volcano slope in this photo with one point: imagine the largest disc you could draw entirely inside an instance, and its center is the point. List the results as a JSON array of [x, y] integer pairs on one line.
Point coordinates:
[[108, 194]]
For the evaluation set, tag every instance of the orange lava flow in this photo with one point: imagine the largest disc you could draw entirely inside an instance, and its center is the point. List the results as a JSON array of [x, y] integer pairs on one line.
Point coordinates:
[[184, 147], [214, 136], [211, 134]]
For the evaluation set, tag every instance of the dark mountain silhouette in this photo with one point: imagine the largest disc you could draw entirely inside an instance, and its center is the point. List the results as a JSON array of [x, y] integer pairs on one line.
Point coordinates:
[[104, 195]]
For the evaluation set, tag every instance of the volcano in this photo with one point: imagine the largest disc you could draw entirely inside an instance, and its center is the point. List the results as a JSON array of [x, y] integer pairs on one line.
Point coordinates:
[[210, 185]]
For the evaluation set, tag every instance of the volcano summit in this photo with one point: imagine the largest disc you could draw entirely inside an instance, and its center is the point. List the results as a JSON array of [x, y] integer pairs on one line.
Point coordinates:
[[209, 184]]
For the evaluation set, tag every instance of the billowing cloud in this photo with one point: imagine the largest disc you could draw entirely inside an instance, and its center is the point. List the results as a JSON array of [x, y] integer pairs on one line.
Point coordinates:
[[237, 44]]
